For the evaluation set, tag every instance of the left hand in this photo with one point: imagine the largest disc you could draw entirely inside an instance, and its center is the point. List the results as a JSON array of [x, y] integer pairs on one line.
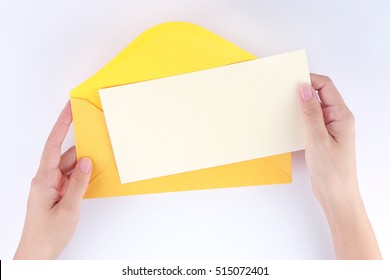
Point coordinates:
[[56, 192]]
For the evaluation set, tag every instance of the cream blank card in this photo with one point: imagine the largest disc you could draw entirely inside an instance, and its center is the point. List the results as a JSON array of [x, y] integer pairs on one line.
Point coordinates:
[[207, 118]]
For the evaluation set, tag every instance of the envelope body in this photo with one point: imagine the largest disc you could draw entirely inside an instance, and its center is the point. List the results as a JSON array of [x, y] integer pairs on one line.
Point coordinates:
[[165, 50]]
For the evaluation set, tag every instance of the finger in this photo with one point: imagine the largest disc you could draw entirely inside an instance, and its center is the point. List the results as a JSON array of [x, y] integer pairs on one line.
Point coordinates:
[[68, 160], [77, 185], [327, 91], [312, 114], [51, 155]]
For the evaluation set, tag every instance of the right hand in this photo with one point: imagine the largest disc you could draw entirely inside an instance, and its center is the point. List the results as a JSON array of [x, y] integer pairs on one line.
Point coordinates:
[[331, 159], [330, 151]]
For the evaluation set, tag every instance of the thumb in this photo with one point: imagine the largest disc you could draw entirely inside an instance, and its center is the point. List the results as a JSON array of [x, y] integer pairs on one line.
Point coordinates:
[[77, 184], [312, 114]]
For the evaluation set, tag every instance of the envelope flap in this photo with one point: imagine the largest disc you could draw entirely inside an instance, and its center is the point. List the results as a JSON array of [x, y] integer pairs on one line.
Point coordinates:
[[91, 135], [187, 46]]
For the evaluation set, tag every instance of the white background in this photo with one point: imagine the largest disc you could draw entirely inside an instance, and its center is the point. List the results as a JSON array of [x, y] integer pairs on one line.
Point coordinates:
[[49, 47]]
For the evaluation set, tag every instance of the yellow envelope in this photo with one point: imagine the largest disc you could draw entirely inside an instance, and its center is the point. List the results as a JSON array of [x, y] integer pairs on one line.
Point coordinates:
[[167, 49]]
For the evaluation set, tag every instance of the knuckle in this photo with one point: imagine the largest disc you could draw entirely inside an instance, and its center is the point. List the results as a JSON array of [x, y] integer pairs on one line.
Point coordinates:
[[37, 182], [326, 80], [76, 180], [348, 118], [351, 118], [313, 111], [34, 182], [350, 121]]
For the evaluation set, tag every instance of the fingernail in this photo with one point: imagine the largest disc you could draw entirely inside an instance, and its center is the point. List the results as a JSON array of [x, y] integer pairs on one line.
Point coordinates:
[[306, 92], [85, 165]]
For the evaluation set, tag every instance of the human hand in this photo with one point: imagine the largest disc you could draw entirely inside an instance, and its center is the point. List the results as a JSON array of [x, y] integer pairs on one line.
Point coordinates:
[[55, 196], [331, 159], [330, 150]]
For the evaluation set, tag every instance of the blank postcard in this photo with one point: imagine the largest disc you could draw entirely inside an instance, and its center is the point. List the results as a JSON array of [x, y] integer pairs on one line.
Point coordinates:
[[208, 118]]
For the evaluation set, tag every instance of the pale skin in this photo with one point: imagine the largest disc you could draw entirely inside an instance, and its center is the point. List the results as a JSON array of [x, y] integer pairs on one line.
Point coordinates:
[[56, 192], [57, 189], [331, 159]]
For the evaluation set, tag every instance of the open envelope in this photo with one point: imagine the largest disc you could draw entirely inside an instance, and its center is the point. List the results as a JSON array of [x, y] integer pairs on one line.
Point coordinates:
[[164, 50]]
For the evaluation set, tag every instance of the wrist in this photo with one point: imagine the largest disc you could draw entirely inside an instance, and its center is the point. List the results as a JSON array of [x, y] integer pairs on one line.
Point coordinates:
[[352, 234], [335, 190], [27, 252], [346, 200]]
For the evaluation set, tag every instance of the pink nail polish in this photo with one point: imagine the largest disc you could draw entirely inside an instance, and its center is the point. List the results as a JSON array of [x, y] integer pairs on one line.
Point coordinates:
[[85, 165], [306, 92]]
